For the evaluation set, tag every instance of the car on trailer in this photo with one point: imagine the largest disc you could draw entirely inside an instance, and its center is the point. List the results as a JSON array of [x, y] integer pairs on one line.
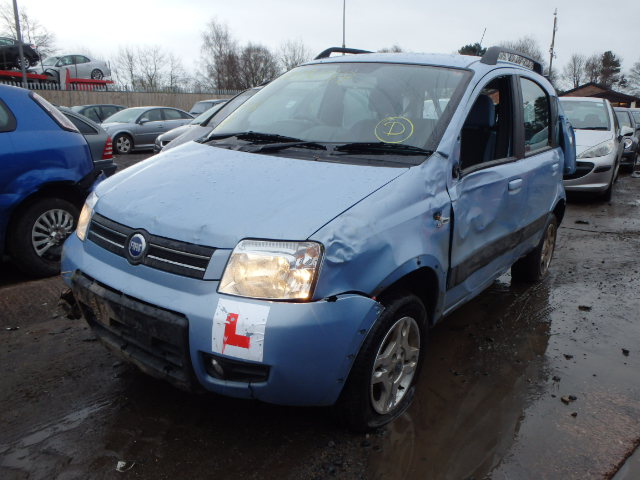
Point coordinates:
[[300, 253]]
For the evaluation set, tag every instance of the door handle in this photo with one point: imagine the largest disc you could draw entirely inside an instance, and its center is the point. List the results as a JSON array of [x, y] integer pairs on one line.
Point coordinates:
[[515, 184]]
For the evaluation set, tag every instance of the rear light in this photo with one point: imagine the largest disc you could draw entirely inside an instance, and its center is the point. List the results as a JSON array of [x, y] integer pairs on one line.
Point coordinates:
[[107, 153]]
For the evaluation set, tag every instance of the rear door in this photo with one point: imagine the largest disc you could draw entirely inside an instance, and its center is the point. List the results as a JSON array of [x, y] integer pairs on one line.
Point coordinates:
[[489, 194], [542, 160], [83, 66]]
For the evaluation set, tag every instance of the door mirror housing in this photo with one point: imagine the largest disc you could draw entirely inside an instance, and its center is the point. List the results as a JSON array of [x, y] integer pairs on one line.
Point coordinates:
[[626, 131]]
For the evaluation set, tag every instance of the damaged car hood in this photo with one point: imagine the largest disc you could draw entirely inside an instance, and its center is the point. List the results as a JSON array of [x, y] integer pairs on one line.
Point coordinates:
[[213, 196]]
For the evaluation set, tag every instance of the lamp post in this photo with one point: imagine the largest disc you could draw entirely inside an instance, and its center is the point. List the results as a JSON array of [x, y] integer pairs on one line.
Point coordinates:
[[20, 50]]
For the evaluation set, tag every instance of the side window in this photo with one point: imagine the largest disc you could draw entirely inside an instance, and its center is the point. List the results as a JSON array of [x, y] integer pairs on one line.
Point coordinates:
[[536, 115], [170, 114], [487, 133], [93, 114], [81, 59], [108, 111], [66, 60], [7, 120], [152, 115], [84, 127]]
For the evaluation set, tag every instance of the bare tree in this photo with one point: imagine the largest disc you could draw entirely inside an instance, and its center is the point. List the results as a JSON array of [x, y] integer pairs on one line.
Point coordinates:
[[257, 65], [574, 71], [176, 76], [526, 45], [32, 31], [634, 78], [151, 61], [392, 49], [126, 65], [593, 67], [220, 55], [293, 53]]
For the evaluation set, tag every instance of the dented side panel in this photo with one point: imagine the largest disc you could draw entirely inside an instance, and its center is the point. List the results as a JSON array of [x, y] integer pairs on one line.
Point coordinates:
[[390, 233]]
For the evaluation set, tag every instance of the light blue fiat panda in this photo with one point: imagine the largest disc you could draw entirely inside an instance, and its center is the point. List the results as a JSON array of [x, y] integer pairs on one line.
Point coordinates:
[[299, 254]]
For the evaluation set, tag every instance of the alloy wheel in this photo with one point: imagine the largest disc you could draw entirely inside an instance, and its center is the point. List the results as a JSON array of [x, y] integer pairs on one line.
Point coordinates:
[[49, 232]]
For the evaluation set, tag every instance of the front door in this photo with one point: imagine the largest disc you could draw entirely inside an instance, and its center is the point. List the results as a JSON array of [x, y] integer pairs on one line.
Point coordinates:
[[489, 195]]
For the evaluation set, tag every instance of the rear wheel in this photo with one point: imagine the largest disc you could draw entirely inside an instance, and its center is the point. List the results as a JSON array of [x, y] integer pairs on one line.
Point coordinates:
[[535, 265], [381, 384], [97, 74], [123, 144], [36, 237]]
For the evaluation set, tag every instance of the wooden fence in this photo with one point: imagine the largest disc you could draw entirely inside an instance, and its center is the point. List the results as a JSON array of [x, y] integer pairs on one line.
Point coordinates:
[[70, 98]]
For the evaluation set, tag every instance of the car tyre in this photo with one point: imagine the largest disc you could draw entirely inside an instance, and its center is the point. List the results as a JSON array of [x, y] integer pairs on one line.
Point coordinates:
[[608, 193], [123, 144], [535, 265], [382, 381], [35, 238], [18, 63], [96, 74]]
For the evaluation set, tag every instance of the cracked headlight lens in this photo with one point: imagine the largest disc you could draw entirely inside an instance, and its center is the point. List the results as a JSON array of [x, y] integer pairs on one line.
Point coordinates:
[[272, 270]]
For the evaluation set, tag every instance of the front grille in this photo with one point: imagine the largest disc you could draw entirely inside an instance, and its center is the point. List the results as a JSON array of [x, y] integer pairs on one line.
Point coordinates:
[[164, 254], [153, 338], [582, 168]]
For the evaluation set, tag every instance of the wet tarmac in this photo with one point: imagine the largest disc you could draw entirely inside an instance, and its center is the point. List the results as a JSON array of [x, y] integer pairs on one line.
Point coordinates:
[[537, 382]]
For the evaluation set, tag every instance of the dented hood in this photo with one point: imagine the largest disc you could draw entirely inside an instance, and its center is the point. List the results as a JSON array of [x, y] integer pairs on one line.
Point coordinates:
[[213, 196]]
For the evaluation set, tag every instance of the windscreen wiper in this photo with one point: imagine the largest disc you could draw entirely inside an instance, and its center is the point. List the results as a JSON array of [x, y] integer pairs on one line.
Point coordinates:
[[251, 136], [282, 145], [591, 128], [381, 148]]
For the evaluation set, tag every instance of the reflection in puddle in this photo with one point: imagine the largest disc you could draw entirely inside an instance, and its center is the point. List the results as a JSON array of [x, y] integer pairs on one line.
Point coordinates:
[[480, 370]]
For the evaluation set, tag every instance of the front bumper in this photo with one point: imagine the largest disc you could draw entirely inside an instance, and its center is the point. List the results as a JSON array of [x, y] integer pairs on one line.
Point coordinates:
[[592, 174], [308, 347]]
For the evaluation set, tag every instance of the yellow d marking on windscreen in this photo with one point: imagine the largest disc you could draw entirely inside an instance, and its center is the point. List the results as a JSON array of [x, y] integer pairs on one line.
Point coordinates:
[[394, 129]]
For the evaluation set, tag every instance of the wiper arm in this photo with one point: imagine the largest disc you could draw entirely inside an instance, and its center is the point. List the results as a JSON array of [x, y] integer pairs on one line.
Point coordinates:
[[282, 145], [251, 136], [382, 148], [591, 128]]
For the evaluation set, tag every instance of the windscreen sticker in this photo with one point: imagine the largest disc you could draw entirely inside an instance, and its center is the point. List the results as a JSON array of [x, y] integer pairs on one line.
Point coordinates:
[[394, 129], [238, 329]]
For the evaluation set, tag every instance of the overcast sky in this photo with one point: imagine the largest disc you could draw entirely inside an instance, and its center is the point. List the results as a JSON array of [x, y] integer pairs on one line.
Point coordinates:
[[585, 26]]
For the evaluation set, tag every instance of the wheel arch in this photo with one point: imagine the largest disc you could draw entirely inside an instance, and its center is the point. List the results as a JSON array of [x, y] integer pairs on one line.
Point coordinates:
[[559, 210], [422, 281], [64, 190]]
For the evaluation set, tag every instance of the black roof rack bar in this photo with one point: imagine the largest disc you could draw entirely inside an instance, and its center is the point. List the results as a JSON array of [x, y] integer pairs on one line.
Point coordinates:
[[329, 51], [491, 57]]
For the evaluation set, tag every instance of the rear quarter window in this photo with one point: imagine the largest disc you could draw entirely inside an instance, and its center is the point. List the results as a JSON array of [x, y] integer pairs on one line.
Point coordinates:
[[7, 120]]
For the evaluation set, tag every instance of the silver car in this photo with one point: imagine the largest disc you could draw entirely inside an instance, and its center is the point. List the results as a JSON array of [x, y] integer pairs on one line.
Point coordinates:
[[79, 66], [598, 145], [203, 123], [137, 128]]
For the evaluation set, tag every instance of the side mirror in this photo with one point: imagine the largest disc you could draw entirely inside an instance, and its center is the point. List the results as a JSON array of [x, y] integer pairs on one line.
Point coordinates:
[[626, 131], [142, 121]]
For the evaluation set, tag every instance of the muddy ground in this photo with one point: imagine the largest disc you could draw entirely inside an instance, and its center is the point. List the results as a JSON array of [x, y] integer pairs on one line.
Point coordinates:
[[490, 400]]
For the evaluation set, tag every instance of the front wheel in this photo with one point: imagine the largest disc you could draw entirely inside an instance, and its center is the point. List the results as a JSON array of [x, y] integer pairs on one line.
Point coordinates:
[[35, 239], [381, 384], [123, 144], [535, 265]]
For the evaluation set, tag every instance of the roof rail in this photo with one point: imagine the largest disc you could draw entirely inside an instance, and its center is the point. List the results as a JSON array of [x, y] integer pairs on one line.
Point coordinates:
[[491, 57], [329, 51]]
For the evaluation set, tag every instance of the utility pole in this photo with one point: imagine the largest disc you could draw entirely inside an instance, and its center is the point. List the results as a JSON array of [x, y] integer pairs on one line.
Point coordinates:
[[553, 41], [344, 10], [20, 51]]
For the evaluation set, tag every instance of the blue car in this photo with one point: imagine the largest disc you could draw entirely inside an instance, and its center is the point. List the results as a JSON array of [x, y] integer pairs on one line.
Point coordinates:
[[302, 251], [47, 172]]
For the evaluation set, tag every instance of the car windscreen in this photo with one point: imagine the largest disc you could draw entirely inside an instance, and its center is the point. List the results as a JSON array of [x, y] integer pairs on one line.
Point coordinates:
[[354, 102], [128, 115], [206, 115], [623, 118], [200, 107], [48, 62], [585, 115]]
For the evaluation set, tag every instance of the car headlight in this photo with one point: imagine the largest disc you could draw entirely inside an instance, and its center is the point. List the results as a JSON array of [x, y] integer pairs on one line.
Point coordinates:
[[85, 216], [627, 143], [272, 270], [600, 150]]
